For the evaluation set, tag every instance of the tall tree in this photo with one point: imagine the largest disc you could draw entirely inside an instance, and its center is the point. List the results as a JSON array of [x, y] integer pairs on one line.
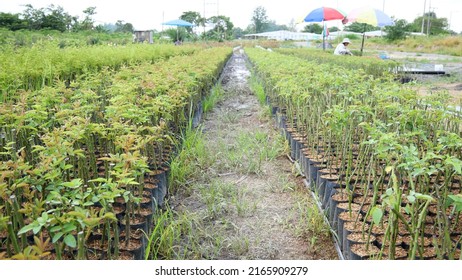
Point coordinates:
[[398, 31], [432, 24], [223, 28], [56, 18], [33, 17], [88, 22], [194, 18], [12, 22], [260, 19], [123, 27], [52, 17]]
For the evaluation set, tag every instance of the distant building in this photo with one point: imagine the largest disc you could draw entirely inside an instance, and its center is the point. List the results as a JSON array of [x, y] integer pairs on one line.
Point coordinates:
[[141, 36]]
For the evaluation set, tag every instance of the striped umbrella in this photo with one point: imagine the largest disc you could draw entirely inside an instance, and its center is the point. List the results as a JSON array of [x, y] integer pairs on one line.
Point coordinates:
[[324, 14], [370, 16]]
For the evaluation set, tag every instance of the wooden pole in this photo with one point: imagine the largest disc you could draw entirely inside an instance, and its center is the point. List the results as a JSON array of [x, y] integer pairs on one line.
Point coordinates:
[[362, 43]]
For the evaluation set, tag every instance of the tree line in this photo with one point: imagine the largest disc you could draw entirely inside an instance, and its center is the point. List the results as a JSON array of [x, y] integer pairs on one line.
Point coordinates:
[[218, 27], [221, 28], [56, 18]]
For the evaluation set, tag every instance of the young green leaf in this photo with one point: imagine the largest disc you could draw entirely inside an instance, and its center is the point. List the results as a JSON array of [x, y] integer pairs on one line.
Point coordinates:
[[57, 236], [26, 228], [69, 227], [70, 241], [377, 214]]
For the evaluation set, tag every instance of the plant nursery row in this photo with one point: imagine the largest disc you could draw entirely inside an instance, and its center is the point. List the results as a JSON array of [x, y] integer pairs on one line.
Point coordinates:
[[383, 161], [85, 146], [44, 64]]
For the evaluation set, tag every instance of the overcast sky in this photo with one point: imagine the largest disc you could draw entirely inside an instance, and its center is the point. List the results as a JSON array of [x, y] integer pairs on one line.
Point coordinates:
[[149, 14]]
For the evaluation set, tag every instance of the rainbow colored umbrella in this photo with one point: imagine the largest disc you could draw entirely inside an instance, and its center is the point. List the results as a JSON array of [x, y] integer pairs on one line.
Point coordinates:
[[324, 14], [370, 16]]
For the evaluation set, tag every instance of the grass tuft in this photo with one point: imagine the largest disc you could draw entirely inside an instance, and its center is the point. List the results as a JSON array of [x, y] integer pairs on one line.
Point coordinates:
[[257, 88], [215, 96]]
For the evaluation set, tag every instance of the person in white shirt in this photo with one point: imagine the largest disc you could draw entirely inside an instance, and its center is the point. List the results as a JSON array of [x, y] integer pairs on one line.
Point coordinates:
[[341, 48]]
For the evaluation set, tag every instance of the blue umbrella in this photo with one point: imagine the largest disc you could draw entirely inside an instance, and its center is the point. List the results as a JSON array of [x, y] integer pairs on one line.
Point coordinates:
[[178, 22]]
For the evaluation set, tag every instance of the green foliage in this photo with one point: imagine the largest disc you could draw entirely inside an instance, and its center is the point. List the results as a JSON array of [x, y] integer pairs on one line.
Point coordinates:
[[273, 26], [398, 31], [12, 22], [370, 66], [177, 34], [238, 33], [334, 29], [396, 149], [124, 27], [432, 25], [313, 28], [258, 90], [194, 18], [259, 19], [25, 38], [55, 18], [449, 45], [90, 137], [352, 36], [360, 27], [222, 30], [88, 22], [215, 96]]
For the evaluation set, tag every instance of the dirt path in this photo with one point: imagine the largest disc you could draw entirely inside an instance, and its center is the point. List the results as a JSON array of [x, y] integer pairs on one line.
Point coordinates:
[[248, 203]]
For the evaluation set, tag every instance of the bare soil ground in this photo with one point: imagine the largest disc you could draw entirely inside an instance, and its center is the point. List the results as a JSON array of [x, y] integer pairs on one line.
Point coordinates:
[[260, 208], [429, 84]]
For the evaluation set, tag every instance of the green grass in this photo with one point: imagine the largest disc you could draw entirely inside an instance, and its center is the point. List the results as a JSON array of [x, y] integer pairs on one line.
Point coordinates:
[[229, 117], [239, 245], [448, 45], [284, 185], [257, 88], [305, 220], [207, 230], [216, 95], [217, 197], [244, 206], [192, 157]]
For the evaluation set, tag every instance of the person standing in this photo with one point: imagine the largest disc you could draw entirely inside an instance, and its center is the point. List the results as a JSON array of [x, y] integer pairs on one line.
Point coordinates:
[[342, 49]]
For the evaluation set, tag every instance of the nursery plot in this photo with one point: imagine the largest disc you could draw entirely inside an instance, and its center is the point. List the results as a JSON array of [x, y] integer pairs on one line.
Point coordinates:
[[41, 65], [384, 161], [84, 164], [371, 66]]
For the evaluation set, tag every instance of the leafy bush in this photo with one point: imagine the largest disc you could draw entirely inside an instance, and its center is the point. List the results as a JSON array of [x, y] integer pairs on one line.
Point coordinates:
[[398, 31]]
